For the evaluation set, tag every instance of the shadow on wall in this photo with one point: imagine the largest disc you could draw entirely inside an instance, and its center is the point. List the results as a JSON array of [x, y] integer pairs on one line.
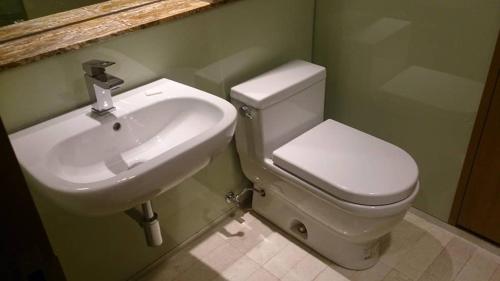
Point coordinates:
[[220, 76]]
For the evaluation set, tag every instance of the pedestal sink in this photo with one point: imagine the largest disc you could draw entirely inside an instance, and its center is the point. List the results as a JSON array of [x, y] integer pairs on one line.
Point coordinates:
[[159, 135]]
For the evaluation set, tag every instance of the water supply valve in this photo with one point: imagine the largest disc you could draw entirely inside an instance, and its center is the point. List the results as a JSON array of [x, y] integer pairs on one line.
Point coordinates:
[[248, 112]]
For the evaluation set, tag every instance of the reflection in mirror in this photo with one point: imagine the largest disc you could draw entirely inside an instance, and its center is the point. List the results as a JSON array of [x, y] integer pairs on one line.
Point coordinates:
[[21, 18], [13, 11]]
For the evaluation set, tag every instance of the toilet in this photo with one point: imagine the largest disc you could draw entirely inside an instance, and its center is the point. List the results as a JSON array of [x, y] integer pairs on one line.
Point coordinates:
[[335, 188]]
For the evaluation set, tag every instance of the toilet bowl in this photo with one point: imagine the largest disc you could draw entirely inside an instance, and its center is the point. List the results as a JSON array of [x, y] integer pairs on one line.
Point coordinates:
[[336, 189]]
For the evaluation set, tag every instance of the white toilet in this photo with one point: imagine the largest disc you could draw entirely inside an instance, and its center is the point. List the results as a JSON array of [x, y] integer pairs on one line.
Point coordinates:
[[335, 188]]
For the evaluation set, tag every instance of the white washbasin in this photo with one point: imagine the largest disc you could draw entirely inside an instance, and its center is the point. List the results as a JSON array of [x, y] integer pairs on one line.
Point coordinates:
[[85, 163]]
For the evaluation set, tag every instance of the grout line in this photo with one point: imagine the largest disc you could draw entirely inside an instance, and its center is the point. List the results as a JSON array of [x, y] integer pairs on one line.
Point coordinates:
[[391, 268], [465, 263], [272, 256], [275, 229], [220, 271], [427, 268], [494, 273], [434, 259], [324, 269], [296, 263], [317, 274]]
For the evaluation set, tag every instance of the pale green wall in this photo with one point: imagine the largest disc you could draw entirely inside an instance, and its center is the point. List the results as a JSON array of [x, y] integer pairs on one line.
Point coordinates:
[[212, 51], [410, 72]]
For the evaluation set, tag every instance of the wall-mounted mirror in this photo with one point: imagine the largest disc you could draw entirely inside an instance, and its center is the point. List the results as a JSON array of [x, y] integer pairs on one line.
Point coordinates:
[[19, 18], [30, 40], [14, 11]]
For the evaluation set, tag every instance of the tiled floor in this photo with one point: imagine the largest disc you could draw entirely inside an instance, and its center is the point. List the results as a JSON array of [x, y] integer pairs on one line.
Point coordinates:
[[247, 248]]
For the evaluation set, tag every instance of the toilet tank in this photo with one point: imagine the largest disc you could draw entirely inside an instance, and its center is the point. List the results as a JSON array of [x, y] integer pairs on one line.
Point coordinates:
[[277, 106]]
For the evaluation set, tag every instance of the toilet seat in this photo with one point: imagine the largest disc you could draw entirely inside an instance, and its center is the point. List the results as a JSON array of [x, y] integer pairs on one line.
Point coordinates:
[[349, 164]]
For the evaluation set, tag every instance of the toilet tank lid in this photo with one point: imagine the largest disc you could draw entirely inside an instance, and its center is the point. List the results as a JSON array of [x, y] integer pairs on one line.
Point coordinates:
[[278, 84]]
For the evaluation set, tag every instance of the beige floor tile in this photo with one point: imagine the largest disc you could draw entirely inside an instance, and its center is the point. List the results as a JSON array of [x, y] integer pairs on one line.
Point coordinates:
[[349, 274], [375, 273], [240, 270], [496, 274], [171, 268], [249, 217], [206, 244], [262, 275], [244, 235], [449, 262], [268, 248], [212, 265], [260, 226], [440, 234], [395, 275], [246, 242], [199, 272], [185, 259], [419, 257], [480, 267], [475, 240], [416, 220], [222, 257], [329, 274], [233, 228], [306, 269], [285, 260], [492, 255], [400, 241]]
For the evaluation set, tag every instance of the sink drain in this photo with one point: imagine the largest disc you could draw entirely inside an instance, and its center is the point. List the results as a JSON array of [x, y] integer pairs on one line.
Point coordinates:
[[117, 126]]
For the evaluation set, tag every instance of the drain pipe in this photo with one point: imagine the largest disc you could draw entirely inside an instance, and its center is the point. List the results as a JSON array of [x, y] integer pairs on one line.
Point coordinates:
[[148, 220], [151, 225]]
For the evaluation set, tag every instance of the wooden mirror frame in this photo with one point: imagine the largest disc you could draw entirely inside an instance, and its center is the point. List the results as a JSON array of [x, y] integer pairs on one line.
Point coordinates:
[[35, 39], [61, 19]]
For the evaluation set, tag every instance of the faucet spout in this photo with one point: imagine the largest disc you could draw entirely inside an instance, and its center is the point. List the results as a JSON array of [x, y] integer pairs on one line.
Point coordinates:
[[100, 85], [102, 100]]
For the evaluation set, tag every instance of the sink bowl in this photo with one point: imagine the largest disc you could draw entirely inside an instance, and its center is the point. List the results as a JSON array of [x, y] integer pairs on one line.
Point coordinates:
[[159, 135]]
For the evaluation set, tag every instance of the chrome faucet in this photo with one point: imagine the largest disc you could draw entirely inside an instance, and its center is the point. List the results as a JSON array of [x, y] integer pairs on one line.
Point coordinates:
[[100, 85]]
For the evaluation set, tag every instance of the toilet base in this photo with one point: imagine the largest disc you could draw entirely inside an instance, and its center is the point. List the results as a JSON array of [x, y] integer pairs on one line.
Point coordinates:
[[321, 238]]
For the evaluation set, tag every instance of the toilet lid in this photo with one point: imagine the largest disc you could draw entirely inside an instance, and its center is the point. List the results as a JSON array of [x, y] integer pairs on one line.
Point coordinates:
[[349, 164]]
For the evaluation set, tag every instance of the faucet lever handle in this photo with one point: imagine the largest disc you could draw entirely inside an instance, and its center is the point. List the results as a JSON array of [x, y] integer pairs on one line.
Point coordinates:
[[96, 67]]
